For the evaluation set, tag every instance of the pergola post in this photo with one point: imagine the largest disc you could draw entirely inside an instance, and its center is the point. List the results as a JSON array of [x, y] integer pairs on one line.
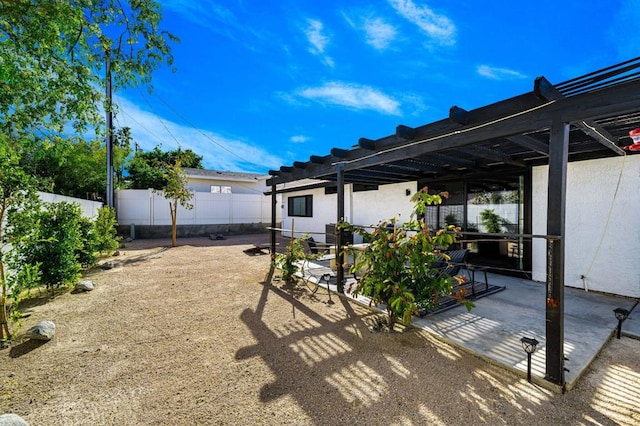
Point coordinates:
[[558, 158], [274, 202], [339, 232]]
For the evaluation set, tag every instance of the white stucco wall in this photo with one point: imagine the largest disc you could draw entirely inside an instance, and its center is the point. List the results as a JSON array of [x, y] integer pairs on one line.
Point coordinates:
[[361, 208], [605, 254]]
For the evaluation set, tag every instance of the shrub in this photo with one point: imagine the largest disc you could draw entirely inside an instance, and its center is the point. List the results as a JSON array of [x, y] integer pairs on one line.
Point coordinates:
[[104, 231], [398, 268], [287, 262], [54, 242]]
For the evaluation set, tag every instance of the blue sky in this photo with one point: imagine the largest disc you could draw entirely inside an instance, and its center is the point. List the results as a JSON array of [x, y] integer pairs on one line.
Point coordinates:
[[263, 83]]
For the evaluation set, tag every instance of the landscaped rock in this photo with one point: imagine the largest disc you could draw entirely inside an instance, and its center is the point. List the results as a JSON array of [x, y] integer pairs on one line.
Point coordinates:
[[12, 420], [85, 285], [107, 265], [44, 330]]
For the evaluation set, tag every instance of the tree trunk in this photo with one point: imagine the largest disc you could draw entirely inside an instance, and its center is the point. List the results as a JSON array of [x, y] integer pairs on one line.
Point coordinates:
[[4, 321], [174, 212]]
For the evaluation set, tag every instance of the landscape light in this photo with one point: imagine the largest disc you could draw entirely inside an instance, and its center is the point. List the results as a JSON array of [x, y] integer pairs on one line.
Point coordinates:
[[621, 315], [529, 346]]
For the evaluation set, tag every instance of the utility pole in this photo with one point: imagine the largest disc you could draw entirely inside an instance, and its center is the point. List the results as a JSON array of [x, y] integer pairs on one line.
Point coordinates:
[[109, 140]]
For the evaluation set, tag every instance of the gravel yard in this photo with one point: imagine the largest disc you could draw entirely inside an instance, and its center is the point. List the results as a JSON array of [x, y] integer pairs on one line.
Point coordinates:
[[192, 335]]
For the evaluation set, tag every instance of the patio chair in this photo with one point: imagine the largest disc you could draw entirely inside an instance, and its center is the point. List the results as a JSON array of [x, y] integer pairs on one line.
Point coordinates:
[[457, 261]]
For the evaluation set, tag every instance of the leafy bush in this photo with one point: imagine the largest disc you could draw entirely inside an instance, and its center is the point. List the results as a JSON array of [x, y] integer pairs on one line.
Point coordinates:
[[398, 267], [54, 240], [287, 262], [104, 231], [87, 253]]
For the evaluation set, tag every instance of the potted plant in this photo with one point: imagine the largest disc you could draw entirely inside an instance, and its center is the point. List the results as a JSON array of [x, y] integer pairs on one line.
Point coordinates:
[[492, 223]]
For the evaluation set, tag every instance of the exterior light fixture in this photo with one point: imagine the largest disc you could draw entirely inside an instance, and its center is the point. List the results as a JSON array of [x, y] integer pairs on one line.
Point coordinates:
[[529, 346], [621, 315]]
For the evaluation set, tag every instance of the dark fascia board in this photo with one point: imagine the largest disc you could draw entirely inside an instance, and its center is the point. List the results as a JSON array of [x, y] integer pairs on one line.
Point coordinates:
[[519, 115]]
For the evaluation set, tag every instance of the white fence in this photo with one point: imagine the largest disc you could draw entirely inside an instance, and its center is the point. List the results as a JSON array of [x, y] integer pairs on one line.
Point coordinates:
[[146, 207], [89, 208]]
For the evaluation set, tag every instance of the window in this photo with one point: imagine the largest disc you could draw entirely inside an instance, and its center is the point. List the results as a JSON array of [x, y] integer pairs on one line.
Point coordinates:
[[220, 189], [300, 206]]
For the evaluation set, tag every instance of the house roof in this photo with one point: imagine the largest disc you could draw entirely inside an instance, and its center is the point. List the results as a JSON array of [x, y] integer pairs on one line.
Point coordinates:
[[504, 138], [224, 175]]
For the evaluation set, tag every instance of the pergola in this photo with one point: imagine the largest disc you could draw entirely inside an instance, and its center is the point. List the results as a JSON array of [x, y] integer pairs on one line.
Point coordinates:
[[583, 118]]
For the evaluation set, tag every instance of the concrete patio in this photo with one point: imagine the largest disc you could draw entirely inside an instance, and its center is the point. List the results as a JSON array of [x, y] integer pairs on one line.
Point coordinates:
[[493, 329]]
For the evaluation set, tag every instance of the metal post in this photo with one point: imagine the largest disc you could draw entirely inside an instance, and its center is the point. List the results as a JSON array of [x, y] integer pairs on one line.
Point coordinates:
[[340, 219], [274, 203], [558, 158], [109, 139]]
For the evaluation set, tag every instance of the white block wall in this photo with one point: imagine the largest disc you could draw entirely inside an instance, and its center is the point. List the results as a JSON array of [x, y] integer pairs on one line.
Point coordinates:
[[602, 232], [145, 207]]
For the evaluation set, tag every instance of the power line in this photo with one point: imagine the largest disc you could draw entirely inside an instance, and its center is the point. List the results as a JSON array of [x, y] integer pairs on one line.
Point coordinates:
[[193, 126], [159, 119]]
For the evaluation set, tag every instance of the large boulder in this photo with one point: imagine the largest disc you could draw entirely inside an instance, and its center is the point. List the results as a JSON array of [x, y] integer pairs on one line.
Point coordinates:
[[44, 330], [84, 285], [12, 420]]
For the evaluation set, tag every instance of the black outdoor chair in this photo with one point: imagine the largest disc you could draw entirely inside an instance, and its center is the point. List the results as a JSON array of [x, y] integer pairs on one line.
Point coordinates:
[[457, 261]]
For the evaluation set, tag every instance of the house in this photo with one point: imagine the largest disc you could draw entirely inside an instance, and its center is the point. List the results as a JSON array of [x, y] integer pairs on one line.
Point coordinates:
[[224, 202], [556, 152]]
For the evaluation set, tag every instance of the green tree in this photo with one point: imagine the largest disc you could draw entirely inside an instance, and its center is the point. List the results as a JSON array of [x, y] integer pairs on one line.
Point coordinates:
[[176, 191], [75, 167], [54, 53], [149, 169], [17, 193]]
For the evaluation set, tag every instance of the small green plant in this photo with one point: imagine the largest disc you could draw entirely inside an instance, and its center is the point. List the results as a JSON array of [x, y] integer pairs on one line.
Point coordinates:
[[451, 219], [491, 221], [398, 267], [104, 231], [288, 262]]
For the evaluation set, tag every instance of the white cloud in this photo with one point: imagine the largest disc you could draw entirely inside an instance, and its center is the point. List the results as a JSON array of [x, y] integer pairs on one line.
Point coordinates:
[[299, 138], [438, 27], [318, 40], [219, 152], [379, 34], [496, 73], [352, 96]]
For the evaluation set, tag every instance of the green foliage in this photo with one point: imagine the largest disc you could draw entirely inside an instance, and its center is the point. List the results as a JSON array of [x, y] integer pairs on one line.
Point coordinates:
[[73, 166], [451, 219], [104, 231], [54, 52], [288, 262], [149, 169], [86, 255], [491, 221], [17, 193], [397, 267], [176, 191], [52, 237], [21, 283]]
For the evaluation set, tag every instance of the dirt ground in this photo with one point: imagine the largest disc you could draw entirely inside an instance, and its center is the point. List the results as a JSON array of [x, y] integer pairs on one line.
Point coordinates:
[[193, 335]]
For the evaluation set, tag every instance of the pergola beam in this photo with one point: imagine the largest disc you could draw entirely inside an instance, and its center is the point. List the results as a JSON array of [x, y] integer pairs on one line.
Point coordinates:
[[531, 116], [530, 143], [544, 89]]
